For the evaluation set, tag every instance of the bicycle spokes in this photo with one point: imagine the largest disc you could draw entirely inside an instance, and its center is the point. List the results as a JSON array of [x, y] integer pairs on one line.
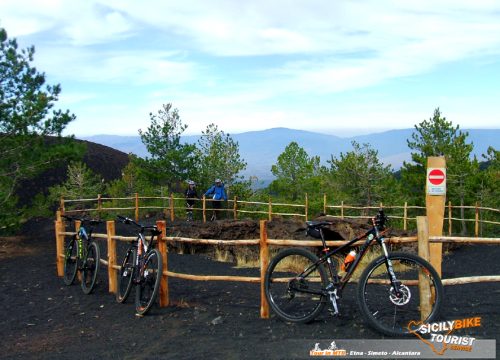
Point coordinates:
[[390, 308], [295, 297]]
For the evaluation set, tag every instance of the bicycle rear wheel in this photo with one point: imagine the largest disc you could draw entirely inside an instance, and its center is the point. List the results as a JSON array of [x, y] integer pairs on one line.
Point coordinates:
[[149, 285], [70, 261], [126, 275], [389, 312], [293, 297], [90, 268]]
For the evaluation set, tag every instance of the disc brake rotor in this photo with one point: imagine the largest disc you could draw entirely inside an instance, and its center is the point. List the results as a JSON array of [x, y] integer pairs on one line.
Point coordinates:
[[404, 295]]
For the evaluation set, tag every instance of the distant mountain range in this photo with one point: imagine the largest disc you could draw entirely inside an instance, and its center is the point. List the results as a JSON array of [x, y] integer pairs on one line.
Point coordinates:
[[260, 149]]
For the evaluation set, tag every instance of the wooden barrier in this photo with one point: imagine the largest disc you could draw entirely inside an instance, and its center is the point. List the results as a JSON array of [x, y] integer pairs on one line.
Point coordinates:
[[113, 285], [424, 284], [238, 207], [264, 262], [162, 247], [59, 229], [423, 239]]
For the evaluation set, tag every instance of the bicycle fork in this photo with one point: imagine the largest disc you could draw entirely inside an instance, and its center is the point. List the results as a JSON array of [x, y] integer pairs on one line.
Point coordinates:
[[399, 290]]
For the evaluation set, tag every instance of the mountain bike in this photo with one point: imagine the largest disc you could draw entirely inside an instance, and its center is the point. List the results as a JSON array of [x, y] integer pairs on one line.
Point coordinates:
[[82, 254], [298, 284], [142, 266]]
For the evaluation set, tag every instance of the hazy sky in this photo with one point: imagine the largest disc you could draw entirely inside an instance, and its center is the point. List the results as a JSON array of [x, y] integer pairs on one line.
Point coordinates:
[[342, 67]]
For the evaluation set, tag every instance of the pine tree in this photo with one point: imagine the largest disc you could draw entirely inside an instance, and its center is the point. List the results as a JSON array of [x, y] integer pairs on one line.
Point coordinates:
[[27, 118], [170, 161], [296, 173], [439, 137], [218, 157]]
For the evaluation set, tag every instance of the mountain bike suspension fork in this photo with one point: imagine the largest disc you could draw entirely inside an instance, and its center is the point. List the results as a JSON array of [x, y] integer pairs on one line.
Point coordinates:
[[388, 263]]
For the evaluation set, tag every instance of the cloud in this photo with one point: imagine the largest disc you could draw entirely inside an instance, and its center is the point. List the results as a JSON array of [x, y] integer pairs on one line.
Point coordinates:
[[79, 22], [108, 67], [249, 63]]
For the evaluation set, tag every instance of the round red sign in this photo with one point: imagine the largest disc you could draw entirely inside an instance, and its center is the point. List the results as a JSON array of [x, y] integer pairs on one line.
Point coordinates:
[[436, 177]]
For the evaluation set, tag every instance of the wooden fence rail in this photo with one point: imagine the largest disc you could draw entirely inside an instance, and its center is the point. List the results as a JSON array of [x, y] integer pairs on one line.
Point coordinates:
[[176, 208], [263, 242]]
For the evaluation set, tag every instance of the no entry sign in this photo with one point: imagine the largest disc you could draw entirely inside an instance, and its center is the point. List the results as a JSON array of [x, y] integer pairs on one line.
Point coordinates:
[[436, 181]]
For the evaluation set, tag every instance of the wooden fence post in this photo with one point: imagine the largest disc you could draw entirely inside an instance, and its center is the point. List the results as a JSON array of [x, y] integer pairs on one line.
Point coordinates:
[[78, 224], [235, 208], [61, 205], [270, 210], [111, 232], [449, 218], [172, 212], [59, 228], [264, 262], [324, 204], [136, 207], [162, 247], [204, 208], [405, 216], [99, 205], [306, 207], [435, 205], [423, 282], [476, 227], [342, 209]]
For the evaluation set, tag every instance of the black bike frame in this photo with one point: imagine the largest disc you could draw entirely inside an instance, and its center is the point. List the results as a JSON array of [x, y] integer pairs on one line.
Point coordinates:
[[141, 245], [326, 258]]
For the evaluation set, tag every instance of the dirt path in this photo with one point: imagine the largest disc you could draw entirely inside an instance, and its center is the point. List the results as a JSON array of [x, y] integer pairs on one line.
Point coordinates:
[[41, 318]]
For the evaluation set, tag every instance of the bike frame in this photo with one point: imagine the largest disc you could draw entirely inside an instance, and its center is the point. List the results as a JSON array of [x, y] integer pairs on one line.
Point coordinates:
[[83, 238], [142, 247], [340, 283]]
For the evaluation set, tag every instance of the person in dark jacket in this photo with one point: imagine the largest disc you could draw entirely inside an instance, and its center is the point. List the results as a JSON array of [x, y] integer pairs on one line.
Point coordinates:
[[191, 196], [218, 194]]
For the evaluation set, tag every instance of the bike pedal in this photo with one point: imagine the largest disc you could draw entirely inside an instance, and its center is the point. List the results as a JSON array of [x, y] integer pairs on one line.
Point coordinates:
[[139, 315]]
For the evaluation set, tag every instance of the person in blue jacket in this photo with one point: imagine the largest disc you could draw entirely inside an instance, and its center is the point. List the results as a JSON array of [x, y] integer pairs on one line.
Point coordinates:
[[218, 194]]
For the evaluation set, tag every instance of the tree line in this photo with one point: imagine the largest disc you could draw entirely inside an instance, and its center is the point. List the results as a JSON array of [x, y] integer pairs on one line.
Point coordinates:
[[27, 117]]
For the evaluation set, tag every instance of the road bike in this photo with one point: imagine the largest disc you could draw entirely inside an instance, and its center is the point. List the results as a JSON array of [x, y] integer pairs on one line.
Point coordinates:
[[82, 254], [142, 266], [298, 284]]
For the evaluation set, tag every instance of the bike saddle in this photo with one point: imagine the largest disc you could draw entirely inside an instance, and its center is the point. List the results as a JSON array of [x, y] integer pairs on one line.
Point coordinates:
[[317, 224]]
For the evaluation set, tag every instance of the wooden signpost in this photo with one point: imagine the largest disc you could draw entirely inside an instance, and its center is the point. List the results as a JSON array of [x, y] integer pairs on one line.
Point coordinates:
[[435, 198]]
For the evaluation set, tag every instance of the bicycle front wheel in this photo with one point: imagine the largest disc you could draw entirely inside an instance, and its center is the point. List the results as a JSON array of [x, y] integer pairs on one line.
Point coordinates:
[[90, 268], [70, 261], [149, 284], [293, 295], [126, 275], [390, 311]]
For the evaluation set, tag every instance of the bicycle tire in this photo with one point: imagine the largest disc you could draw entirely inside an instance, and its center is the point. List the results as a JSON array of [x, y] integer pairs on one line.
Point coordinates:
[[126, 275], [289, 304], [149, 284], [392, 316], [90, 268], [70, 261]]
